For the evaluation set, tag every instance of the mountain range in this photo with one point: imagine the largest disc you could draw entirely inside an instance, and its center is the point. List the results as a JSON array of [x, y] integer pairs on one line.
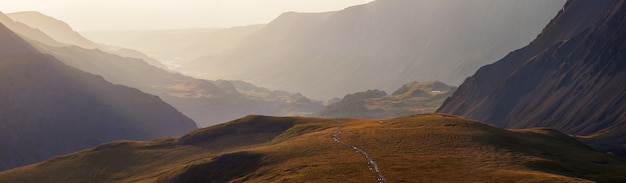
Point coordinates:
[[380, 45], [48, 108], [74, 110], [571, 78]]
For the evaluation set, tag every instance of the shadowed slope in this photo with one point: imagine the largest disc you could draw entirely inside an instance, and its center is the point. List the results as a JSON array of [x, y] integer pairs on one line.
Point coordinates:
[[571, 78]]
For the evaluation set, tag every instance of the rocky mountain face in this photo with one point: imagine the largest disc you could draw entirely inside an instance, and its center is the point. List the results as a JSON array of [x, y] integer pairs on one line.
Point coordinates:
[[48, 108], [383, 45], [206, 102], [571, 78], [411, 98]]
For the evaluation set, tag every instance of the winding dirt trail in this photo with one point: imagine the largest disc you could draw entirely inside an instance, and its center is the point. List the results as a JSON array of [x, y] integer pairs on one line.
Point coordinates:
[[371, 164]]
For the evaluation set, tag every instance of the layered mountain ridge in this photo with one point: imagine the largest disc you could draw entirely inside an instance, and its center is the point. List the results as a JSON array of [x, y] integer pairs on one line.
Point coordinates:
[[48, 108], [206, 107], [63, 35]]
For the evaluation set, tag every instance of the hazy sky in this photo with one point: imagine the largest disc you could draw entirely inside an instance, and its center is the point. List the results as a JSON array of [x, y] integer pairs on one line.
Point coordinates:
[[169, 14]]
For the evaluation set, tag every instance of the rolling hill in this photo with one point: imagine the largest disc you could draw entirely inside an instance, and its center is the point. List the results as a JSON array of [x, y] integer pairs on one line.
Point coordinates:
[[383, 44], [421, 148], [411, 98], [48, 108], [571, 78]]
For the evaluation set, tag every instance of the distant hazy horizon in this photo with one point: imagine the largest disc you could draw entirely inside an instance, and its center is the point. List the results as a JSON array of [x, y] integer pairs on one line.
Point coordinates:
[[95, 15]]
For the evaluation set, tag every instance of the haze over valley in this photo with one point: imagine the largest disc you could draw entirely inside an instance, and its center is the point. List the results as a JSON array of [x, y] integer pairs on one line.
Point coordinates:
[[392, 42], [313, 91]]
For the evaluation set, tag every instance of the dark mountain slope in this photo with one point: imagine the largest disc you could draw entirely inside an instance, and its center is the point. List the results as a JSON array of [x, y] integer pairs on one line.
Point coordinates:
[[383, 44], [571, 78], [420, 148], [12, 45], [48, 108]]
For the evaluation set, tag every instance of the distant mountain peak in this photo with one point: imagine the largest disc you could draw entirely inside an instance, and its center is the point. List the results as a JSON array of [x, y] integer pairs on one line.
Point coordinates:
[[55, 28], [411, 98], [428, 86]]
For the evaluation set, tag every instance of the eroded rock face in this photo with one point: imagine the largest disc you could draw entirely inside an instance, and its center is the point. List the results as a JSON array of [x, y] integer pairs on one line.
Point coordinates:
[[48, 108], [571, 78]]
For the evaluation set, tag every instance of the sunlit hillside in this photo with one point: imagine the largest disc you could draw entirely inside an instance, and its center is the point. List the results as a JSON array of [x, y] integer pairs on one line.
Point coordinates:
[[422, 148]]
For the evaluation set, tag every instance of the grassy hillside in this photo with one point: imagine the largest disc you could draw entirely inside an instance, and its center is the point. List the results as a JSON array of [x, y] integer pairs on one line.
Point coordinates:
[[421, 148]]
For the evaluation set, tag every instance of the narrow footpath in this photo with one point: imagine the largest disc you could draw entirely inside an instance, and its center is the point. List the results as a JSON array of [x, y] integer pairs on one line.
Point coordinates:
[[371, 164]]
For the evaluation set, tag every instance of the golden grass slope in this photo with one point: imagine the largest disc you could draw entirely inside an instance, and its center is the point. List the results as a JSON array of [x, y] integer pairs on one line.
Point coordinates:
[[420, 148]]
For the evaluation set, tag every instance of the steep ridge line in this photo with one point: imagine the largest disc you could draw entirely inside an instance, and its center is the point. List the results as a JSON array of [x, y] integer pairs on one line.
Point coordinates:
[[371, 164]]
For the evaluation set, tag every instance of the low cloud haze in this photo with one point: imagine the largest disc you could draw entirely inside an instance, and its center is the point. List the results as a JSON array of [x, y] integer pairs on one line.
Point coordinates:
[[169, 14]]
